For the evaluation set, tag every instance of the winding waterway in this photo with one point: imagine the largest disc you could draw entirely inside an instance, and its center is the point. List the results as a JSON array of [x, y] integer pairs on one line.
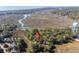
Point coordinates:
[[20, 21]]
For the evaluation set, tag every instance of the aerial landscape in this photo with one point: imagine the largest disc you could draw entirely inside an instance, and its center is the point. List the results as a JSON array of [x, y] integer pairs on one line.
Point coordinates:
[[31, 29]]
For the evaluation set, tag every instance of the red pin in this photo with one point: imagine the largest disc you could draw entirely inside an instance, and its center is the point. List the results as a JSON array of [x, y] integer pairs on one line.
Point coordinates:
[[38, 36]]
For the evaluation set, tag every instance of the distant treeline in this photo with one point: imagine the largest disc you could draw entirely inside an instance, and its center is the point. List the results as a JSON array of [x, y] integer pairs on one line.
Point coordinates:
[[29, 11], [26, 11]]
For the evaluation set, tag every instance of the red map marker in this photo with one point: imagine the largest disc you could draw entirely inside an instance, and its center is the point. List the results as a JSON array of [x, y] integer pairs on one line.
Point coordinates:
[[38, 36]]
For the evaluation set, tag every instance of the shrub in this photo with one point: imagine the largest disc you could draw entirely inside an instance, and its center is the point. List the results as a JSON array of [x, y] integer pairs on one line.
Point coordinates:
[[21, 45], [6, 46]]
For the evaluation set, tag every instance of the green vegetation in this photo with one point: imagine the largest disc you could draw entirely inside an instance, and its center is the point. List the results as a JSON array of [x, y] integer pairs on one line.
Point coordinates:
[[73, 14], [21, 45], [49, 38]]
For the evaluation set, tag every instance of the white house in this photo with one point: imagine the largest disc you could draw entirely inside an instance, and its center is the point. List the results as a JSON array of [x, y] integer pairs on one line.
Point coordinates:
[[75, 26], [75, 29]]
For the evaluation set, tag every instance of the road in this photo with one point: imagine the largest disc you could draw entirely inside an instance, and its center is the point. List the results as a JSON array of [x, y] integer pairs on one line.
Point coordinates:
[[20, 21]]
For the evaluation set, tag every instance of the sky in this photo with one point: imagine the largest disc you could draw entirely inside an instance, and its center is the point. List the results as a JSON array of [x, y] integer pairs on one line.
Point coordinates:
[[4, 8]]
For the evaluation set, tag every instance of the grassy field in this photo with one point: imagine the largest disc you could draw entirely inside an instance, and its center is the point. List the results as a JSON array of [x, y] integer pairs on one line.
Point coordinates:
[[10, 19], [48, 20], [68, 48]]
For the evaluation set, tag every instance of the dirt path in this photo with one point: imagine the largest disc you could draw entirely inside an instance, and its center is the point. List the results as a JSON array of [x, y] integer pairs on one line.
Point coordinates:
[[29, 43], [68, 48], [20, 20]]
